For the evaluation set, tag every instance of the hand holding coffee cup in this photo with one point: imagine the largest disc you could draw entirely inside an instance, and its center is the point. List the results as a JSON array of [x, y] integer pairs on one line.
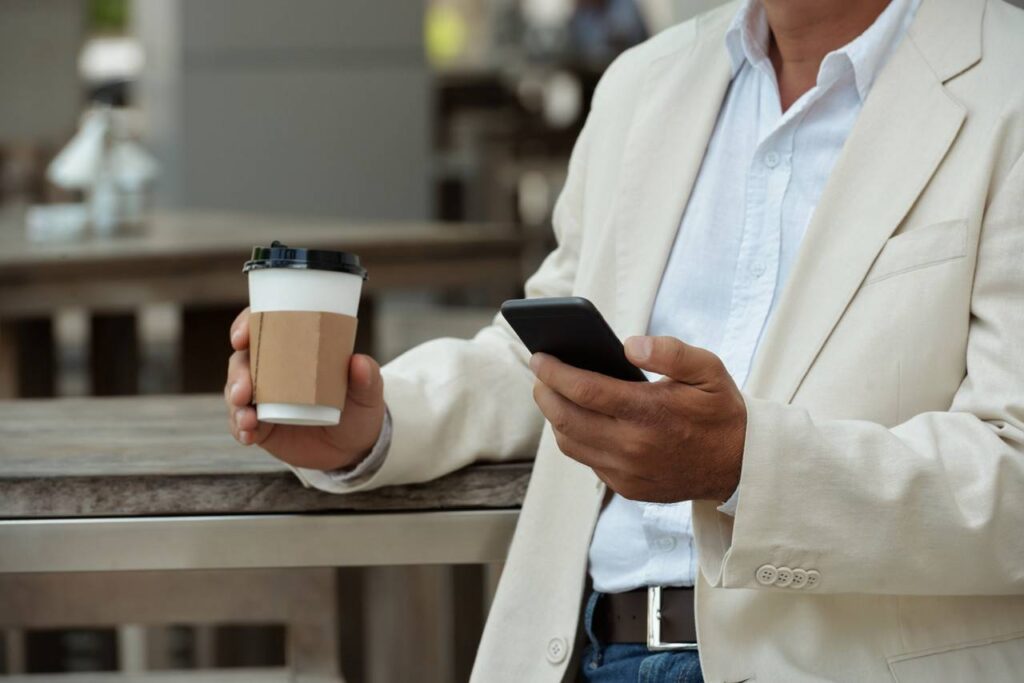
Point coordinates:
[[296, 361]]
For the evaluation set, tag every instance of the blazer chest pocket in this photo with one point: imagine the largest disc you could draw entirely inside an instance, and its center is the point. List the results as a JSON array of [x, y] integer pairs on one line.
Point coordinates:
[[919, 248], [997, 660]]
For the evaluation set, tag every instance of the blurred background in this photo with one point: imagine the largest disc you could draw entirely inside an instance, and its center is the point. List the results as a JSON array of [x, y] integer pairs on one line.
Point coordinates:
[[146, 145], [134, 130]]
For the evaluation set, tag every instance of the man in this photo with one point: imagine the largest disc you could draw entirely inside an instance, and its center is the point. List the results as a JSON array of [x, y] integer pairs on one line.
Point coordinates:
[[821, 202]]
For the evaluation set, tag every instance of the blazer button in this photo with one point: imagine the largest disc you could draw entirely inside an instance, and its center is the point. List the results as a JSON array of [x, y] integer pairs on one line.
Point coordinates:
[[784, 577], [557, 650], [813, 579], [799, 579], [766, 574]]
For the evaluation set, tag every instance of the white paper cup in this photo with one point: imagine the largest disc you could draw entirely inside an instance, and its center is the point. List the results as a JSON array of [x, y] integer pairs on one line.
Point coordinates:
[[286, 279]]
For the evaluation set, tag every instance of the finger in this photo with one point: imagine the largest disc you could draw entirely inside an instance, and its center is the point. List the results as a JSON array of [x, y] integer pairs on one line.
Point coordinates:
[[584, 454], [677, 360], [247, 429], [365, 384], [238, 388], [240, 331], [245, 418], [604, 465], [256, 437], [233, 425], [611, 478], [586, 426], [590, 390]]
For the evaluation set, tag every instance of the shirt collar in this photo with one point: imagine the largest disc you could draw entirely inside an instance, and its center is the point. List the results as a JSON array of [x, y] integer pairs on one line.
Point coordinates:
[[748, 35]]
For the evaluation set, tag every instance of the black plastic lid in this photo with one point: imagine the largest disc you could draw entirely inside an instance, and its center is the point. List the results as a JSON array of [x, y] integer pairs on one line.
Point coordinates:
[[279, 255]]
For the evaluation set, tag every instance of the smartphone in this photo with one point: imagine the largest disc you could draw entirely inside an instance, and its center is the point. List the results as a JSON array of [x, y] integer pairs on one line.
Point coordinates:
[[572, 330]]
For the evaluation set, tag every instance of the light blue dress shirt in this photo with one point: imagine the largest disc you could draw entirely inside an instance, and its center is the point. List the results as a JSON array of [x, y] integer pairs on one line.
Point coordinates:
[[760, 180]]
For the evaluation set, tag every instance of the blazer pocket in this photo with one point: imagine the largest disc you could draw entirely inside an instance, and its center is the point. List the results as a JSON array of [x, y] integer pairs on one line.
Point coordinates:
[[994, 660], [920, 248]]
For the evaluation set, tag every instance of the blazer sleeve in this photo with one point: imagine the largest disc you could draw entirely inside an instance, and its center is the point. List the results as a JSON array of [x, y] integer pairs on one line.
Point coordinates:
[[933, 506], [454, 401]]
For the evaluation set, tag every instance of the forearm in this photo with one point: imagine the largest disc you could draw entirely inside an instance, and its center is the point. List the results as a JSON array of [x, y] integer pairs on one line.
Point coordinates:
[[451, 402]]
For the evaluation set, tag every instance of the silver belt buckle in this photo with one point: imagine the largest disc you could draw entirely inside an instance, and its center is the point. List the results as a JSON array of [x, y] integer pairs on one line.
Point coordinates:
[[654, 642]]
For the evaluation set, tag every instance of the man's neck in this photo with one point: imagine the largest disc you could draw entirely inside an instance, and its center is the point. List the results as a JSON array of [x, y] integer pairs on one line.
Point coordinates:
[[804, 31]]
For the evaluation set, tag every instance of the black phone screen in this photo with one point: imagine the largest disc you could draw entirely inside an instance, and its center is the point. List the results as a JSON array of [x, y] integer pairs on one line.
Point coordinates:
[[572, 330]]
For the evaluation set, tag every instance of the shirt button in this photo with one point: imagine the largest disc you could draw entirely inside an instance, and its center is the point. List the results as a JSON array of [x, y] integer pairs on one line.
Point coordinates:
[[766, 574], [799, 579], [784, 577], [666, 543], [556, 650], [757, 268], [772, 159], [813, 579]]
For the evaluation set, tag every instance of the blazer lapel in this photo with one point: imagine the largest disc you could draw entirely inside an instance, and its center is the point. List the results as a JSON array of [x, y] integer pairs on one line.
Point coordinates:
[[665, 146], [901, 136]]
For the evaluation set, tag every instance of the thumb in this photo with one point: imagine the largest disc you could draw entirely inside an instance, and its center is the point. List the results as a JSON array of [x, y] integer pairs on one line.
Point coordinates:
[[365, 384], [675, 359]]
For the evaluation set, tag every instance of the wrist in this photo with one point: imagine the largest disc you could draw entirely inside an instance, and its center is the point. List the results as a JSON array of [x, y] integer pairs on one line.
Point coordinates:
[[369, 451], [351, 459], [730, 479]]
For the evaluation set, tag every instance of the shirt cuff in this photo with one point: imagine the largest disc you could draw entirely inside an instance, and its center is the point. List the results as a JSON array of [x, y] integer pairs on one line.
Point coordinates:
[[364, 469], [729, 506]]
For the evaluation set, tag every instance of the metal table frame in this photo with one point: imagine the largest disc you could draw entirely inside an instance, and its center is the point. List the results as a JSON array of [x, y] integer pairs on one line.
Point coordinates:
[[254, 541]]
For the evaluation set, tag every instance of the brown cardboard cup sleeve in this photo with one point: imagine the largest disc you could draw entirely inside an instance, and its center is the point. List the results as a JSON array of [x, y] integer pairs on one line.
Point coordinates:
[[300, 357]]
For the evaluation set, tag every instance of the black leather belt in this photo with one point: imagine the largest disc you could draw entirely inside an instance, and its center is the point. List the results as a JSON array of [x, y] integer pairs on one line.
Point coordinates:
[[661, 618]]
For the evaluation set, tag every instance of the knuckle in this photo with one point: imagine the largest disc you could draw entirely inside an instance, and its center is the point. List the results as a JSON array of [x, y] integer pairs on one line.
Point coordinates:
[[627, 491], [633, 409], [718, 365], [650, 412], [560, 420], [585, 391], [676, 351], [564, 443], [663, 413], [680, 355], [682, 431], [635, 448]]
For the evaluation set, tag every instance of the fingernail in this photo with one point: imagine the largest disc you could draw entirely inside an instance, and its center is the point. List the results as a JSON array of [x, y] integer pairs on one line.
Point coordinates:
[[239, 414], [233, 390], [640, 347], [535, 361], [245, 437], [236, 335]]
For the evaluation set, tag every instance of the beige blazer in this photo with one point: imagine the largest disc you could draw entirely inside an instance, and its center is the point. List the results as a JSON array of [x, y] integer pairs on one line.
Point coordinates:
[[885, 445]]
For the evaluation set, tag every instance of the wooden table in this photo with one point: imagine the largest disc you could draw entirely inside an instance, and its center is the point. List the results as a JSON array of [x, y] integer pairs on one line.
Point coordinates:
[[195, 259], [156, 483]]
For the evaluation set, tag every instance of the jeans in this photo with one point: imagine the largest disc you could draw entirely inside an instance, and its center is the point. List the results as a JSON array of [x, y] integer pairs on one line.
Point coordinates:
[[633, 662]]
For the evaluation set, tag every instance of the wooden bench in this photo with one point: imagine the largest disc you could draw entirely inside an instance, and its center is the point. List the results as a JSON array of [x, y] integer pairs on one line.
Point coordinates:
[[141, 488]]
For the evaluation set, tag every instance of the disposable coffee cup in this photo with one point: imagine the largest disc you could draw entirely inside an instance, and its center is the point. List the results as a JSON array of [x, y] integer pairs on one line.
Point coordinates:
[[303, 305]]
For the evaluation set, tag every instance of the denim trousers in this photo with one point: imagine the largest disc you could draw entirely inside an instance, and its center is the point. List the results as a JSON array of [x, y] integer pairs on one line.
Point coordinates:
[[633, 662]]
